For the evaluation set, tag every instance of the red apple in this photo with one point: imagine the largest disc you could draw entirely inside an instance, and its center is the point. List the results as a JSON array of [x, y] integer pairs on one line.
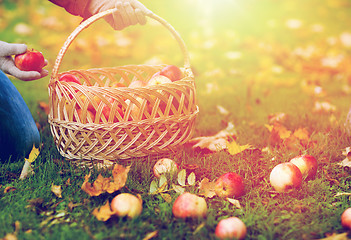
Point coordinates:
[[230, 185], [285, 176], [67, 77], [88, 118], [126, 204], [164, 166], [31, 60], [157, 80], [230, 228], [118, 84], [307, 164], [189, 205], [346, 218], [172, 72]]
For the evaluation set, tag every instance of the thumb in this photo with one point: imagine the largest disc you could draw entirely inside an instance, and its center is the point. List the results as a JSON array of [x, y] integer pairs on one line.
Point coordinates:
[[8, 49]]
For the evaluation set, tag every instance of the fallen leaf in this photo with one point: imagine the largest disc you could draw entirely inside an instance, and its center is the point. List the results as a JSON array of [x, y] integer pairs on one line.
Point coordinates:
[[178, 189], [191, 179], [151, 235], [110, 185], [44, 106], [234, 148], [235, 202], [33, 154], [335, 236], [103, 213], [207, 188], [9, 189], [181, 177], [56, 189], [153, 186], [166, 197]]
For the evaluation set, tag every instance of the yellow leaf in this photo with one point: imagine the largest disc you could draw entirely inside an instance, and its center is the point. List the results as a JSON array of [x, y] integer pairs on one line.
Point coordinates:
[[103, 213], [235, 202], [234, 148], [301, 134], [151, 235], [56, 189], [33, 154]]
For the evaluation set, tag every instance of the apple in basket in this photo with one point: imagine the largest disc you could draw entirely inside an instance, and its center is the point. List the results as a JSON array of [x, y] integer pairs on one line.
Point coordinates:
[[189, 205], [118, 84], [67, 77], [158, 79], [106, 111], [172, 72], [135, 111], [31, 60], [89, 117], [137, 84]]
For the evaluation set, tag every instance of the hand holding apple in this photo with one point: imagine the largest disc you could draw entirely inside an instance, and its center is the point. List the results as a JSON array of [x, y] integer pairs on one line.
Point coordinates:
[[31, 60], [189, 205]]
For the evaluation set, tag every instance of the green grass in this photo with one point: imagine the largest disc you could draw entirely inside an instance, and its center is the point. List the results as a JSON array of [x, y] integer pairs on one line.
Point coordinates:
[[246, 87]]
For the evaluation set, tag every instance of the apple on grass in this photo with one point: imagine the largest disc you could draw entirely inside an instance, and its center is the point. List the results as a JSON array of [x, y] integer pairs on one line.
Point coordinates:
[[230, 185], [346, 219], [164, 166], [31, 60], [126, 204], [231, 228], [307, 164], [189, 205], [285, 176]]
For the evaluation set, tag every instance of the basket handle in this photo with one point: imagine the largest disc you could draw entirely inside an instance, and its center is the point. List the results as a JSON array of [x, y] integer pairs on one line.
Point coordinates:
[[96, 17]]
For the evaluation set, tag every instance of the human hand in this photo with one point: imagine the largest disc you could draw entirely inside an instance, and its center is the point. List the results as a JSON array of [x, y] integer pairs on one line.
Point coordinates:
[[7, 63], [130, 12]]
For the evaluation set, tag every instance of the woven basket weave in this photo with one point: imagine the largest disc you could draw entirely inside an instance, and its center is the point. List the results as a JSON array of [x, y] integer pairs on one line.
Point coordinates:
[[143, 121]]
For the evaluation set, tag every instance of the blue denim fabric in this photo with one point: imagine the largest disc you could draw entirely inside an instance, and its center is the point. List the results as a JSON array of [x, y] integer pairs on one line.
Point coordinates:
[[18, 131]]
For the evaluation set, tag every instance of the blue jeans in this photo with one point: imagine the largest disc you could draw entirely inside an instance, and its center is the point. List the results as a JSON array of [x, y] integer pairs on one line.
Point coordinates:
[[18, 131]]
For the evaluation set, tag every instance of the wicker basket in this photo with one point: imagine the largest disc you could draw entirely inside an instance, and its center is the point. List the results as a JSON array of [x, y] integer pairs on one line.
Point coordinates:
[[143, 121]]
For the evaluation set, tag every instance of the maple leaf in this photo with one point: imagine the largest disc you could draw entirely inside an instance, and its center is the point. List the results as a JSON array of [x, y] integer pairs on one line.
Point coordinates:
[[101, 184], [103, 213], [234, 148], [207, 188]]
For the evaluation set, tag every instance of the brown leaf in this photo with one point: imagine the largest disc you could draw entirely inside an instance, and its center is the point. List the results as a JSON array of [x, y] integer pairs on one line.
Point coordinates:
[[56, 189], [120, 175], [103, 213], [9, 189], [207, 188], [110, 185], [44, 106], [235, 202], [151, 235]]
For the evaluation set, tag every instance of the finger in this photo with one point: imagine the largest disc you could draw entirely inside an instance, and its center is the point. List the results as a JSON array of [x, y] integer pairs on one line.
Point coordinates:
[[130, 14], [139, 5], [140, 16], [124, 15], [44, 73], [24, 75], [117, 18], [8, 49]]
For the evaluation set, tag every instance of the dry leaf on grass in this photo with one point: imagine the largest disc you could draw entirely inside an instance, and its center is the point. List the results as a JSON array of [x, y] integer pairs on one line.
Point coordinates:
[[110, 185], [207, 188], [216, 142], [56, 189], [103, 213]]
